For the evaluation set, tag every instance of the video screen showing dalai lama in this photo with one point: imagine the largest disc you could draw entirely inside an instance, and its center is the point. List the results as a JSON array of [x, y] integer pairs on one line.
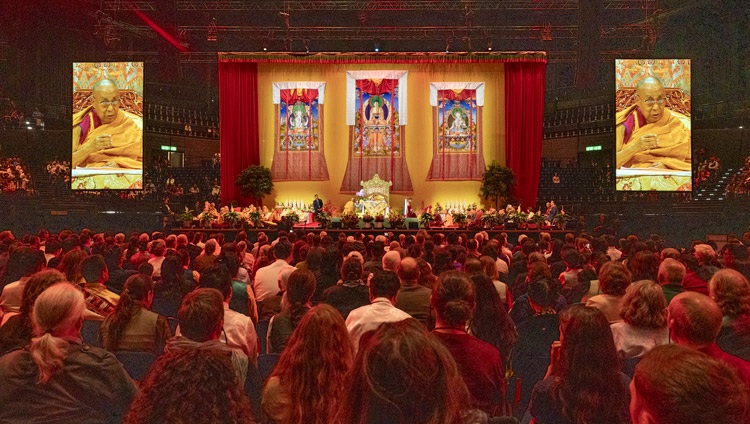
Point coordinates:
[[107, 149], [652, 125]]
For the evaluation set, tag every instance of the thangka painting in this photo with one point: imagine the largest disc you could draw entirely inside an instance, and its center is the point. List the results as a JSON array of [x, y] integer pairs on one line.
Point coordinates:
[[457, 131], [298, 152], [376, 115]]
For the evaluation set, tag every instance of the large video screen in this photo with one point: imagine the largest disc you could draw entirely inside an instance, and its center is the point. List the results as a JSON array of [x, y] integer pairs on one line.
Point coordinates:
[[652, 125], [107, 150]]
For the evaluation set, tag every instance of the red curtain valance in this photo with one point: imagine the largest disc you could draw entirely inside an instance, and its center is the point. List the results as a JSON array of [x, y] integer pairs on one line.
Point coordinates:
[[291, 96], [372, 87], [372, 57]]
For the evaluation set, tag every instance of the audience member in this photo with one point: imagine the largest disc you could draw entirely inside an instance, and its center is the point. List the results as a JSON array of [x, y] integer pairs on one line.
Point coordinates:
[[671, 273], [98, 299], [309, 383], [490, 321], [132, 326], [22, 264], [384, 291], [676, 384], [614, 278], [300, 286], [214, 394], [57, 378], [479, 363], [266, 282], [731, 291], [351, 291], [413, 298], [583, 383], [644, 320]]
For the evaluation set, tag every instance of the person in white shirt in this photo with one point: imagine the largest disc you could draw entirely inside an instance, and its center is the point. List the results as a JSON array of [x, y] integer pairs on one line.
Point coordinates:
[[266, 282], [22, 263], [383, 291], [239, 331]]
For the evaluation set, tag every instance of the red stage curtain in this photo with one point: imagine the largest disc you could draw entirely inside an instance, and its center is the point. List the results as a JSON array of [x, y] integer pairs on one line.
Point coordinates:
[[524, 120], [238, 120]]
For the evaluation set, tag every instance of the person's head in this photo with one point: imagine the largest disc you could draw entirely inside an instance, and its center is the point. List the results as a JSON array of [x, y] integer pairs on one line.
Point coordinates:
[[489, 267], [58, 314], [38, 283], [454, 299], [473, 266], [158, 248], [543, 292], [138, 293], [731, 291], [403, 374], [313, 366], [704, 253], [106, 97], [676, 384], [614, 278], [644, 265], [300, 287], [210, 247], [694, 319], [391, 260], [201, 315], [351, 269], [282, 250], [23, 262], [214, 396], [644, 305], [671, 271], [650, 92], [94, 269], [408, 270], [219, 278], [385, 284]]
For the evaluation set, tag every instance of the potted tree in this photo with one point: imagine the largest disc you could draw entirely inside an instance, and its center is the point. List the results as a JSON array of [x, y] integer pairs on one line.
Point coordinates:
[[255, 181], [497, 183]]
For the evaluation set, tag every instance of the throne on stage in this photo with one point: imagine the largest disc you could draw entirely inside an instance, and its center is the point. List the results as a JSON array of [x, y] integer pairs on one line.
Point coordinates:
[[376, 199]]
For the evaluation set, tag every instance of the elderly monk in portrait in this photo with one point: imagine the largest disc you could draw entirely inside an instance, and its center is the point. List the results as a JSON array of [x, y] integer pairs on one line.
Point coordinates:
[[104, 136], [651, 136]]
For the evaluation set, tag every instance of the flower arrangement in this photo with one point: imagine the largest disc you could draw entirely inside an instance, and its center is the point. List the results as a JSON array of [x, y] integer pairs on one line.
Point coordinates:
[[232, 218], [380, 218], [255, 218], [323, 218], [492, 218], [366, 217], [459, 218], [349, 220], [206, 218], [438, 208], [426, 217], [289, 218], [396, 219]]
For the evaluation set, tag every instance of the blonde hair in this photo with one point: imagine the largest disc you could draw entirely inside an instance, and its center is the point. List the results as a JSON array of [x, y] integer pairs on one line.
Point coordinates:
[[644, 305], [57, 309]]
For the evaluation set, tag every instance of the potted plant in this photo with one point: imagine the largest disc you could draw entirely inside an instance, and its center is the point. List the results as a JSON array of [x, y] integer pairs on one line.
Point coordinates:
[[491, 219], [255, 181], [379, 220], [396, 219], [367, 219], [187, 217], [561, 220], [460, 218], [255, 218], [349, 220], [206, 218], [497, 183], [289, 219], [232, 218], [426, 218], [323, 218]]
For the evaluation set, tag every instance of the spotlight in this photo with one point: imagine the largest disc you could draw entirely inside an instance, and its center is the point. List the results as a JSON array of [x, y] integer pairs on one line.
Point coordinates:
[[377, 47]]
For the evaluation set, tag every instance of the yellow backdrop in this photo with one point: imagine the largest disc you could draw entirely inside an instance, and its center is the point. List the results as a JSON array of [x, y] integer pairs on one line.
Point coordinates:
[[419, 135]]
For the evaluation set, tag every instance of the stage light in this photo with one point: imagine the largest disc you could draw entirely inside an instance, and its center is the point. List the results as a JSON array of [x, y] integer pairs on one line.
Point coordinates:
[[377, 47]]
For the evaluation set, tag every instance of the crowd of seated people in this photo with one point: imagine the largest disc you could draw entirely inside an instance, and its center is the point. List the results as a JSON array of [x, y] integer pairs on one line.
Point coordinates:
[[14, 176], [421, 328], [740, 182]]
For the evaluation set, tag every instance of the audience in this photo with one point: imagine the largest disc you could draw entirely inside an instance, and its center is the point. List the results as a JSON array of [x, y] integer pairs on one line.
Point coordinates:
[[578, 380]]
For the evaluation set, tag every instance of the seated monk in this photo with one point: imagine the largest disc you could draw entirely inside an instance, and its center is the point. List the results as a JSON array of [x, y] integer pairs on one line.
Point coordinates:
[[106, 136], [650, 135]]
